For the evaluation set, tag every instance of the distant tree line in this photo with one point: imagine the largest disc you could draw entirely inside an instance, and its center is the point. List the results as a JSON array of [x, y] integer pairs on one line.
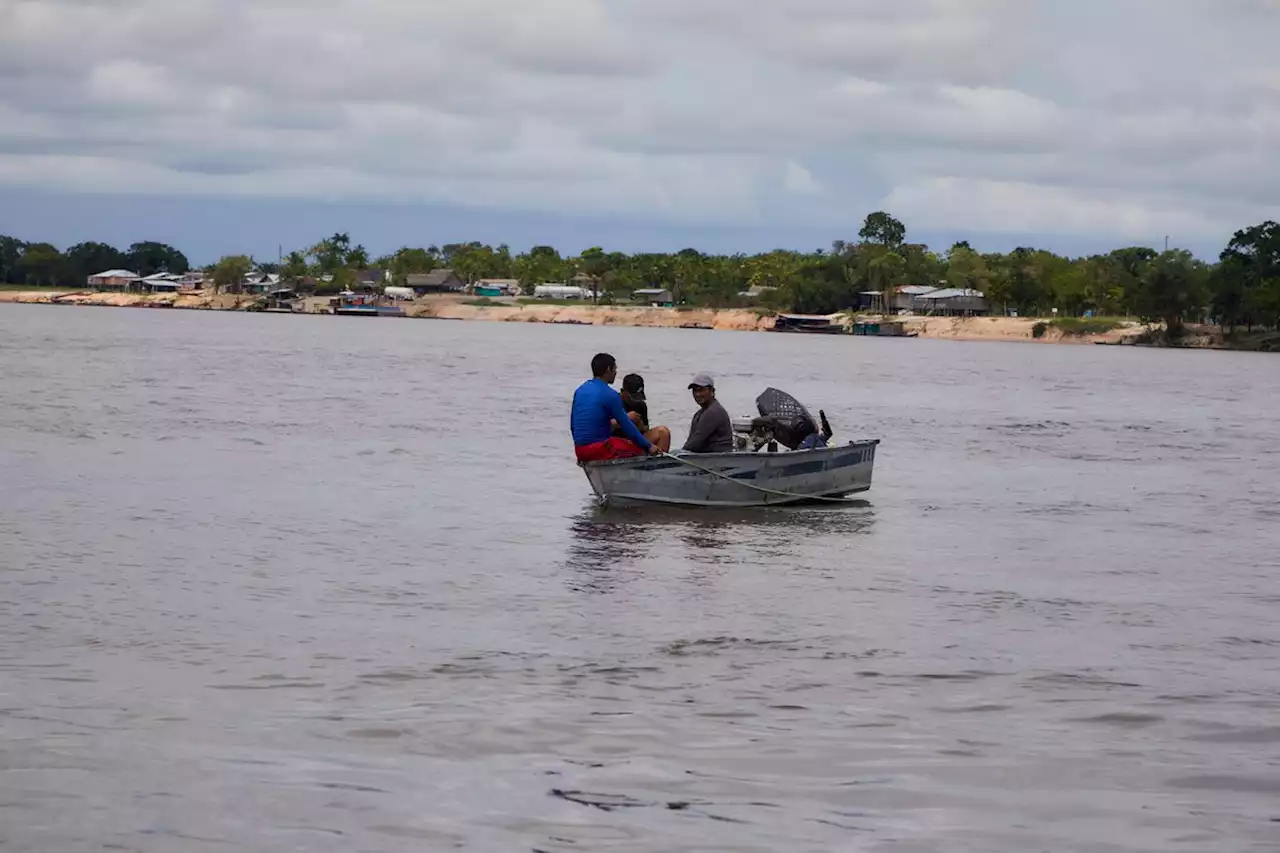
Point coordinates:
[[1241, 290], [42, 264]]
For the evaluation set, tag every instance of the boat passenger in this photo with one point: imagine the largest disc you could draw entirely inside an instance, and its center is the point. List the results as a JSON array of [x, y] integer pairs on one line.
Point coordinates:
[[633, 401], [711, 430], [596, 408]]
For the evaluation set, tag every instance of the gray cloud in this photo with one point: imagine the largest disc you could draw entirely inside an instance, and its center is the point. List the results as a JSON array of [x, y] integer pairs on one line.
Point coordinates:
[[1129, 118]]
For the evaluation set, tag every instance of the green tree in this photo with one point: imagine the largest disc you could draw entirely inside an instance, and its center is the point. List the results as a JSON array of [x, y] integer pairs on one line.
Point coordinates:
[[1055, 283], [148, 258], [335, 282], [229, 273], [357, 258], [1172, 290], [1246, 284], [86, 259], [542, 264], [883, 229], [41, 263], [1127, 268], [595, 264], [295, 269], [11, 249], [407, 261], [474, 261], [921, 266], [331, 253], [1022, 281], [966, 269], [886, 274], [1103, 286]]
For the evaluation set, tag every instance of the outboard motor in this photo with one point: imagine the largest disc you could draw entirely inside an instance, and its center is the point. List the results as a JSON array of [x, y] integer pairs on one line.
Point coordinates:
[[783, 419]]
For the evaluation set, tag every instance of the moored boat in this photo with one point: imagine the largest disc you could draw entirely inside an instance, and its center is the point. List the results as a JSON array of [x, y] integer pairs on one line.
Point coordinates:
[[810, 324], [349, 304], [882, 329]]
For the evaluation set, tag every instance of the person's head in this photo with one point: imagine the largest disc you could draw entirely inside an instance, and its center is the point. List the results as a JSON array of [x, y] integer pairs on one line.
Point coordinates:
[[703, 388], [633, 386], [604, 366], [633, 396]]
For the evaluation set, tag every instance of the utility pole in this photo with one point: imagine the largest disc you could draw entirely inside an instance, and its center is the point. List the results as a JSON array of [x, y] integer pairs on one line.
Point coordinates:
[[1166, 242]]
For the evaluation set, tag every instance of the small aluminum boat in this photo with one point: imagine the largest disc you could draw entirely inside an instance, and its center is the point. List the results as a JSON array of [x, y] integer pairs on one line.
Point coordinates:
[[738, 479]]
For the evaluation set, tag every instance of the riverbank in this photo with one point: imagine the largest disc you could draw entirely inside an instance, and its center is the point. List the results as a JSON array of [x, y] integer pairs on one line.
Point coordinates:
[[1008, 329]]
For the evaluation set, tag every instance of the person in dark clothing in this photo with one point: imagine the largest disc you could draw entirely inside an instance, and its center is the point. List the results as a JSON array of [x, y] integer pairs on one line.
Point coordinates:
[[711, 430], [635, 405], [633, 399]]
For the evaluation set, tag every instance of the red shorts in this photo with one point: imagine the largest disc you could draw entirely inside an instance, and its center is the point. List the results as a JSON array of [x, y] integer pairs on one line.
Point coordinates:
[[611, 448]]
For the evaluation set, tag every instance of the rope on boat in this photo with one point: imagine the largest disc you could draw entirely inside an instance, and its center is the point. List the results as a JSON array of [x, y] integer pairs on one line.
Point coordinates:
[[794, 495]]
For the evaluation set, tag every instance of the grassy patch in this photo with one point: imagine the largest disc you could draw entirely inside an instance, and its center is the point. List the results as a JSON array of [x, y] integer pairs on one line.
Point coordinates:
[[480, 301]]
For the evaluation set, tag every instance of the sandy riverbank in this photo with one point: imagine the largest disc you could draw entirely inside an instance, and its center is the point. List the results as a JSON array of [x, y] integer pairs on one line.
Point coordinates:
[[1011, 329], [195, 300], [737, 320]]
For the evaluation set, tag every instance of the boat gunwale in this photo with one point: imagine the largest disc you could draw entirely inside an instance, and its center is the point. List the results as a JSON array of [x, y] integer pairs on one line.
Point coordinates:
[[736, 454], [788, 501]]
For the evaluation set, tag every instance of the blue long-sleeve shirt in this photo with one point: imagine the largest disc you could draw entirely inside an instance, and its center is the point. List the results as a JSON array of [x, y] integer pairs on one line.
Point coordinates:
[[595, 404]]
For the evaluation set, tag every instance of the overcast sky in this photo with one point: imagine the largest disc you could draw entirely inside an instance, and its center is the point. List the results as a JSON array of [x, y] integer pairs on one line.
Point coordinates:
[[728, 125]]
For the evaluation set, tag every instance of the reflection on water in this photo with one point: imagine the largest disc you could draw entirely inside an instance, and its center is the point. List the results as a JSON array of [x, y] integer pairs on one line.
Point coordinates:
[[604, 542]]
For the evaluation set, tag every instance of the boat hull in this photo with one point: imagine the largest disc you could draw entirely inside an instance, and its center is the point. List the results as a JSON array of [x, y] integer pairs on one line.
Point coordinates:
[[740, 479], [369, 311]]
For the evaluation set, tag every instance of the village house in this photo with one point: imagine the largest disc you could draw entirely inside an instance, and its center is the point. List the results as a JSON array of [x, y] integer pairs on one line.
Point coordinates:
[[954, 302], [658, 297], [436, 281], [905, 298], [908, 296], [113, 280], [260, 282], [161, 282], [367, 280]]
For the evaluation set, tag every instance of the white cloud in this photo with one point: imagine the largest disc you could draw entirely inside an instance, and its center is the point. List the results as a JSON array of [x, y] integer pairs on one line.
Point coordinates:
[[799, 180], [995, 115], [1020, 208], [126, 82]]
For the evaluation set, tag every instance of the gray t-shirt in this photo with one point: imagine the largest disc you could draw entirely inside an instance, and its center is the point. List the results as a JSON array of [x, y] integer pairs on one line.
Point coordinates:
[[710, 431]]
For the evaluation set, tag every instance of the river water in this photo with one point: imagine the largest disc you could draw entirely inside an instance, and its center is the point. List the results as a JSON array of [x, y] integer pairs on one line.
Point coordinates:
[[280, 583]]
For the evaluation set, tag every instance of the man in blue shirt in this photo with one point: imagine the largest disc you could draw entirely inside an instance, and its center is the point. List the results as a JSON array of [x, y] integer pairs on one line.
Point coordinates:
[[596, 408]]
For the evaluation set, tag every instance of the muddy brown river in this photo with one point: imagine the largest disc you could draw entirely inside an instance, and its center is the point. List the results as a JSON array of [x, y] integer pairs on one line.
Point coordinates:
[[280, 583]]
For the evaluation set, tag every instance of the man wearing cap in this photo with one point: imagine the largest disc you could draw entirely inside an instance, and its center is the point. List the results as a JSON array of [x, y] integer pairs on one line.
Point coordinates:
[[711, 431]]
